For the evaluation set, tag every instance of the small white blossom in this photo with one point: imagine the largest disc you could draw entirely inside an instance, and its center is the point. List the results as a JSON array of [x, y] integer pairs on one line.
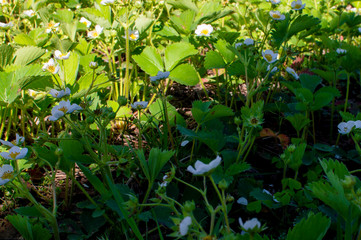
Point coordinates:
[[93, 65], [184, 143], [6, 173], [52, 27], [204, 30], [95, 33], [242, 201], [184, 225], [160, 75], [133, 35], [59, 94], [63, 108], [345, 127], [358, 124], [297, 5], [18, 141], [341, 51], [14, 153], [248, 41], [292, 72], [51, 66], [30, 13], [269, 56], [106, 2], [250, 224], [4, 2], [359, 29], [85, 21], [61, 56], [6, 25], [202, 168], [274, 69], [276, 15], [139, 105]]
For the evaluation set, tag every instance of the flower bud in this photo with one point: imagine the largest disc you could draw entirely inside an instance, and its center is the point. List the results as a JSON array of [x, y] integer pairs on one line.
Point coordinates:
[[348, 182], [59, 152], [229, 198], [237, 121], [93, 65], [223, 185], [189, 206]]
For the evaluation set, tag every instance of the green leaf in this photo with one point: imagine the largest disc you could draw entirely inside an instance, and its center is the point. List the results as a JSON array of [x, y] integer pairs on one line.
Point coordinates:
[[225, 49], [70, 66], [218, 111], [185, 74], [174, 118], [149, 61], [183, 22], [6, 54], [323, 97], [142, 23], [310, 81], [314, 227], [184, 4], [279, 34], [254, 206], [176, 52], [28, 211], [298, 121], [302, 22], [27, 55], [24, 39], [213, 60], [237, 168], [95, 181]]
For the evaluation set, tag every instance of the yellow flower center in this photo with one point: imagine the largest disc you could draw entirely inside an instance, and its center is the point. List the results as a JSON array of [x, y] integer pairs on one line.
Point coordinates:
[[268, 57], [13, 155], [254, 121], [51, 25], [95, 34], [205, 31], [298, 6], [276, 15], [56, 94], [345, 129], [51, 68], [7, 175], [63, 109]]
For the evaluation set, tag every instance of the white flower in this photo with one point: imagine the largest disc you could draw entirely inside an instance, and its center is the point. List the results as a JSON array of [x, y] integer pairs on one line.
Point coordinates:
[[341, 51], [18, 140], [3, 2], [269, 56], [292, 72], [275, 1], [52, 27], [237, 45], [133, 35], [297, 5], [358, 124], [273, 69], [248, 41], [14, 153], [6, 173], [139, 105], [242, 201], [61, 56], [95, 33], [160, 75], [345, 127], [63, 108], [204, 30], [359, 29], [59, 94], [51, 66], [93, 65], [30, 13], [184, 225], [85, 21], [32, 93], [276, 15], [202, 168], [250, 224], [185, 142], [6, 25], [106, 2]]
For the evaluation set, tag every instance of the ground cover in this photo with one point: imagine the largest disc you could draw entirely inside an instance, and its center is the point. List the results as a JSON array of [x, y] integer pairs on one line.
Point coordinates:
[[180, 119]]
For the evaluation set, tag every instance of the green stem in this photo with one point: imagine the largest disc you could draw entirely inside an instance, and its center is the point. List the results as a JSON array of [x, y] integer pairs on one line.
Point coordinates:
[[347, 91], [224, 206]]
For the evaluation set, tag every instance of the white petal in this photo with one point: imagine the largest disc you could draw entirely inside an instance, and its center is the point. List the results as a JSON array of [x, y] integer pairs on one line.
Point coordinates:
[[184, 225], [6, 143], [6, 155]]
